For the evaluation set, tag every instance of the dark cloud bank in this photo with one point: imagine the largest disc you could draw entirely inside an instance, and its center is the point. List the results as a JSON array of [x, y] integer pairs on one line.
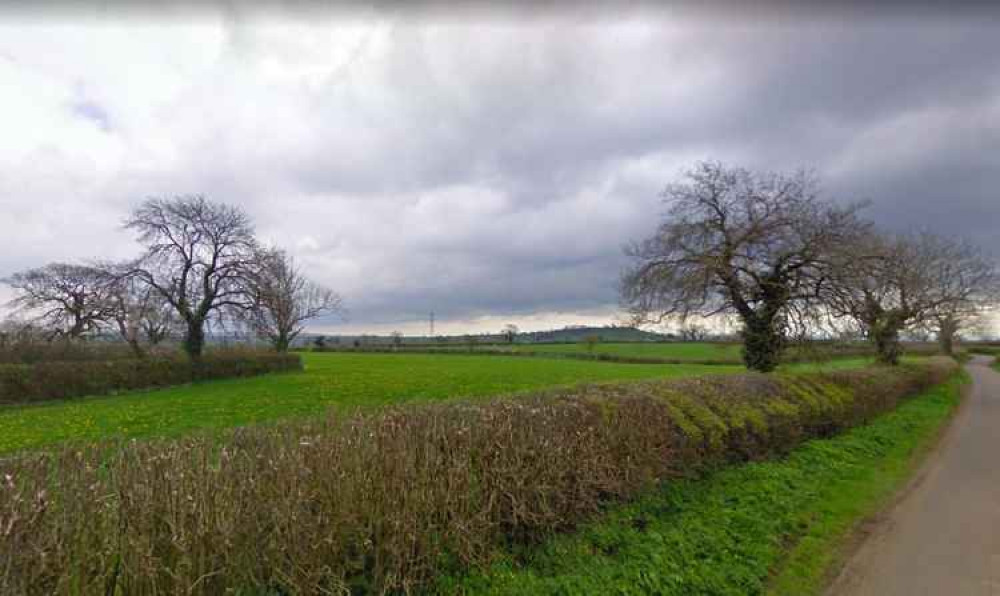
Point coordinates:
[[484, 166]]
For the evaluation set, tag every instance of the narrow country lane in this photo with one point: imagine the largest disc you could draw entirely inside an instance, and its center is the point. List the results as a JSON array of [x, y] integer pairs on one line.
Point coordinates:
[[943, 537]]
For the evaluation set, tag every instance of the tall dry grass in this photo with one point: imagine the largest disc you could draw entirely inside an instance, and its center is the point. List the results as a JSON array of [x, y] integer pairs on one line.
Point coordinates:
[[379, 502]]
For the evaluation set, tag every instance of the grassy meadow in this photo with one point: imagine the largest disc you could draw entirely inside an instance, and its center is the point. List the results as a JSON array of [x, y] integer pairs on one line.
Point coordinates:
[[342, 380], [704, 352], [330, 380], [679, 350]]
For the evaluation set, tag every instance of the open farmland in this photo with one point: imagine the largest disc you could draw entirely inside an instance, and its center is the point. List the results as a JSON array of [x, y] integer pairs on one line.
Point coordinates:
[[674, 350], [330, 380], [703, 352]]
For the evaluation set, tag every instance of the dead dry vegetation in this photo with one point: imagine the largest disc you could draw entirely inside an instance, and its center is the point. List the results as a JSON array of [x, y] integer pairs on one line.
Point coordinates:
[[381, 501]]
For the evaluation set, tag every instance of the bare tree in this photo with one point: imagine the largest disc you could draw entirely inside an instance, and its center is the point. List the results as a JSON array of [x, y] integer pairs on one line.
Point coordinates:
[[14, 331], [397, 338], [140, 313], [66, 299], [735, 241], [200, 257], [693, 332], [510, 332], [888, 283], [971, 284], [284, 299]]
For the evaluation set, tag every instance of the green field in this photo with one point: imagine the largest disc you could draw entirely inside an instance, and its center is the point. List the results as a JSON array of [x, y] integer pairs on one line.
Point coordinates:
[[679, 350], [344, 380], [330, 380]]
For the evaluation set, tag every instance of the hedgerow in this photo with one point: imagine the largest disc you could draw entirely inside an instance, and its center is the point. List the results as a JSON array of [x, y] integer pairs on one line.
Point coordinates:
[[798, 354], [27, 383], [31, 352], [771, 527], [456, 351], [383, 501]]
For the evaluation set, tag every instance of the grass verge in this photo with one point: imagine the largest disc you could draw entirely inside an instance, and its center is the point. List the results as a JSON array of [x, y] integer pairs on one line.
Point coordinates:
[[774, 527]]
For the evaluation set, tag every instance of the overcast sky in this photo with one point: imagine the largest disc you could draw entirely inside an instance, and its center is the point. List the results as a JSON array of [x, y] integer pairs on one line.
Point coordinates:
[[485, 166]]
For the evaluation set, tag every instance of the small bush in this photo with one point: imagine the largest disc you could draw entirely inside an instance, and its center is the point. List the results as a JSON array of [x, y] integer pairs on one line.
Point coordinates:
[[26, 383], [383, 501]]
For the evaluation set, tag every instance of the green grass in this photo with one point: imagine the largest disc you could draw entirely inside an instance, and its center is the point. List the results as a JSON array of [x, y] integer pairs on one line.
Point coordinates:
[[773, 527], [680, 350], [330, 380]]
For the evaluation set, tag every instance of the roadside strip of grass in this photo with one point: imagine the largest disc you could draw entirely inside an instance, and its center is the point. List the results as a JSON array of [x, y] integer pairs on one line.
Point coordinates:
[[775, 527]]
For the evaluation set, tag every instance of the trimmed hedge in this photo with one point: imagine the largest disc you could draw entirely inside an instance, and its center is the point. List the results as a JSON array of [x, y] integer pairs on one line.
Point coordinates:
[[377, 502], [27, 383], [31, 352]]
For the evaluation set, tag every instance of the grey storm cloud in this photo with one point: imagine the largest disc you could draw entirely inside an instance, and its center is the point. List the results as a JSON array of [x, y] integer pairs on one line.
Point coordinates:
[[482, 166]]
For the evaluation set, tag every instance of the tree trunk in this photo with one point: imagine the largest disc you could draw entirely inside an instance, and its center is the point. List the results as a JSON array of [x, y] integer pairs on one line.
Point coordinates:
[[281, 343], [136, 348], [763, 341], [194, 340], [76, 331], [131, 337], [947, 329], [885, 335]]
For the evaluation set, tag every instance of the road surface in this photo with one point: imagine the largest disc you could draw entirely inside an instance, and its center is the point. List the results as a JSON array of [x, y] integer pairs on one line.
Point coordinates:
[[943, 536]]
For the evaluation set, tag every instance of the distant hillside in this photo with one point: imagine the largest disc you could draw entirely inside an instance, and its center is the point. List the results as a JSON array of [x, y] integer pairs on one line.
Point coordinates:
[[606, 334], [565, 335]]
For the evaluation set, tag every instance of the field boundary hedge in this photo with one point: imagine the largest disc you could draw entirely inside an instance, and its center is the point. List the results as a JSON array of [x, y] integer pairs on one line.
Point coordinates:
[[384, 501], [456, 351], [44, 381], [793, 355], [589, 356]]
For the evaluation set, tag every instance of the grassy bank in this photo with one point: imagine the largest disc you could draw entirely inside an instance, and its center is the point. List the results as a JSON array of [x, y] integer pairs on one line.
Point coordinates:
[[774, 527]]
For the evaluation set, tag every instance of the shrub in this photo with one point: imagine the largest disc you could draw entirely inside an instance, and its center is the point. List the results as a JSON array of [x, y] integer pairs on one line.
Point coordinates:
[[25, 383], [377, 502], [31, 352]]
